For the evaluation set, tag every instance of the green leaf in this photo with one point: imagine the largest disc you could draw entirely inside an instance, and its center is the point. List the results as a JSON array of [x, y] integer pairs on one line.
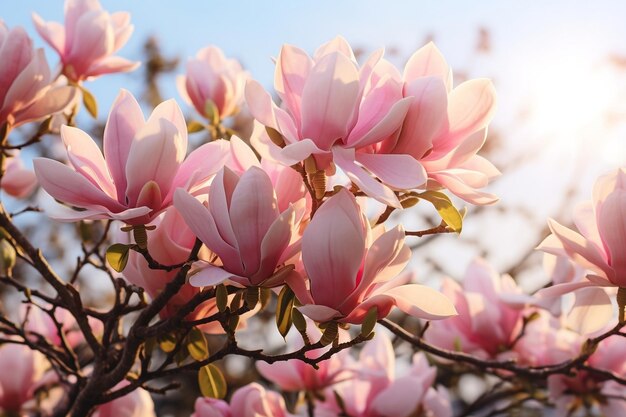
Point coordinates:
[[298, 320], [211, 382], [194, 127], [284, 307], [449, 214], [211, 112], [90, 103], [370, 321], [221, 297], [197, 345], [167, 342], [117, 256]]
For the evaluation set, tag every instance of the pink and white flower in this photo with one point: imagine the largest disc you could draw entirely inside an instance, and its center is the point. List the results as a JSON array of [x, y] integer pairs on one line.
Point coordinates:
[[17, 181], [352, 268], [143, 164], [244, 227], [26, 91], [88, 40], [212, 76]]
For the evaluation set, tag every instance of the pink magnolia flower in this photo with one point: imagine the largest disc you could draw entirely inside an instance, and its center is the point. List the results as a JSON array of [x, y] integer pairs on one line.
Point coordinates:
[[244, 227], [136, 404], [296, 375], [169, 244], [490, 318], [41, 324], [88, 40], [26, 93], [254, 401], [598, 248], [377, 392], [444, 129], [211, 76], [17, 181], [143, 163], [565, 391], [330, 106], [351, 268], [210, 407], [22, 371]]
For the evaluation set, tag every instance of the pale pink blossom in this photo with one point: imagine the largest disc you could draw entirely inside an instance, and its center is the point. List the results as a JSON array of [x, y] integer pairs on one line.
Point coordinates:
[[296, 375], [332, 106], [138, 403], [88, 40], [143, 164], [212, 76], [444, 129], [565, 391], [26, 93], [17, 181], [490, 317], [210, 407], [169, 244], [352, 268], [253, 400], [377, 392], [243, 226], [598, 248], [22, 371], [39, 323]]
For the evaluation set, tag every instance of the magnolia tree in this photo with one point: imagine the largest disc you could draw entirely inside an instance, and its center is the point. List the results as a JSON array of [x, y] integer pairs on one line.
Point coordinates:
[[199, 246]]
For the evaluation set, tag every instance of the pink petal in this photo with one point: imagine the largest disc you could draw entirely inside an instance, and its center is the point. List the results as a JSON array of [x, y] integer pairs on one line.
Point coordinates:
[[111, 65], [319, 313], [426, 118], [209, 275], [54, 100], [344, 159], [333, 247], [65, 184], [402, 172], [242, 156], [292, 69], [428, 62], [16, 54], [298, 152], [329, 100], [94, 39], [275, 242], [252, 212], [265, 111], [124, 121], [463, 190], [51, 32], [87, 160], [591, 311], [612, 229], [471, 107]]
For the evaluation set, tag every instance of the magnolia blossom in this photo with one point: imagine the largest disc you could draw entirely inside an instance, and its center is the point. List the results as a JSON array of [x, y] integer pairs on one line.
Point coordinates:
[[22, 371], [332, 106], [598, 248], [40, 323], [375, 391], [244, 227], [211, 77], [88, 40], [210, 407], [296, 375], [443, 130], [255, 401], [26, 93], [17, 181], [489, 319], [136, 404], [351, 268], [143, 164]]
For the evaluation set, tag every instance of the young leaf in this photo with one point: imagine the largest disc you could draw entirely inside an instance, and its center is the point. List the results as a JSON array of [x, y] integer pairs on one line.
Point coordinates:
[[90, 103], [284, 309], [193, 127], [252, 297], [211, 112], [117, 256], [370, 321], [449, 214], [211, 381], [197, 345], [167, 342], [330, 334], [221, 298]]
